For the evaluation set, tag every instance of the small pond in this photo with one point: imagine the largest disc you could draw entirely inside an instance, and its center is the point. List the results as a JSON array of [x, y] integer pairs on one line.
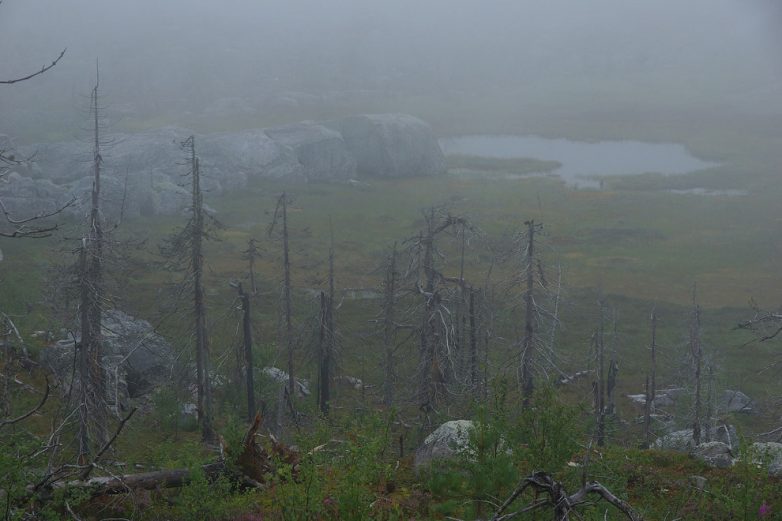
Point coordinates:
[[582, 162]]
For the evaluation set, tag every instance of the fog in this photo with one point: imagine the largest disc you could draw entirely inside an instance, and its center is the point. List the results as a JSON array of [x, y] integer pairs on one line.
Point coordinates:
[[180, 57]]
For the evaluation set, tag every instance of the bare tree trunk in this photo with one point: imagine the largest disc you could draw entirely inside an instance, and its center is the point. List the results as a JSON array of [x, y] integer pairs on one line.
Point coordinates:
[[461, 303], [697, 355], [199, 308], [650, 389], [251, 253], [473, 342], [323, 357], [427, 365], [247, 338], [91, 288], [601, 383], [613, 370], [527, 344], [709, 402], [389, 328], [286, 297]]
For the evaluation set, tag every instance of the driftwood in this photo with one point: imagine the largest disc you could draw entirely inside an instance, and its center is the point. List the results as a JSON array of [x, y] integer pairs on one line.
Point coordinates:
[[562, 503]]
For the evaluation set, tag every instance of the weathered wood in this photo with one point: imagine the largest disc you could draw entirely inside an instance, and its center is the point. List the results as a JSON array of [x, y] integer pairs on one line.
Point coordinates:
[[562, 503]]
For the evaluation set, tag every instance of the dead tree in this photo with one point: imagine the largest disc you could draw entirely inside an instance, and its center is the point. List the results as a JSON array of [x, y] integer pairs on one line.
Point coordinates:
[[651, 383], [281, 212], [709, 401], [326, 338], [613, 371], [197, 233], [696, 351], [532, 275], [252, 253], [599, 385], [558, 500], [436, 357], [247, 343], [91, 373], [389, 327], [474, 334]]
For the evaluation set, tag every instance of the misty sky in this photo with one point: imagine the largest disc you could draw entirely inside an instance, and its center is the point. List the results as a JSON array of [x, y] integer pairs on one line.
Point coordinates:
[[721, 53]]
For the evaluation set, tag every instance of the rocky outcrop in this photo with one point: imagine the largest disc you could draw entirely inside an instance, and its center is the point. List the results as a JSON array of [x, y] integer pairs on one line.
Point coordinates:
[[136, 359], [320, 150], [25, 197], [391, 145], [142, 172], [446, 442]]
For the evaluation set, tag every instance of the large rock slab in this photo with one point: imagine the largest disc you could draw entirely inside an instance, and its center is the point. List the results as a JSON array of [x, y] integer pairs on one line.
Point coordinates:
[[320, 150], [131, 349], [392, 145], [734, 401], [446, 442], [715, 454], [25, 197], [142, 172], [236, 157]]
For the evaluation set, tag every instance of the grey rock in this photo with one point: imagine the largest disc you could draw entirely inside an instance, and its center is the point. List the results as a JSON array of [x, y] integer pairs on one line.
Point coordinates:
[[663, 397], [392, 145], [699, 482], [320, 150], [714, 454], [682, 440], [238, 156], [768, 454], [142, 172], [131, 347], [280, 377], [446, 442], [25, 197], [734, 401]]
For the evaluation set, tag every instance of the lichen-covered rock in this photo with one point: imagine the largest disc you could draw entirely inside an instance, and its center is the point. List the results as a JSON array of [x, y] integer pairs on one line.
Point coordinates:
[[391, 145], [768, 454], [714, 454], [320, 150], [140, 358], [446, 442]]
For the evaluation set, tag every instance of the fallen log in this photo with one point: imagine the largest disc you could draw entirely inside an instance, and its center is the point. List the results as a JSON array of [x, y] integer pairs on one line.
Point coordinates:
[[169, 478], [253, 464]]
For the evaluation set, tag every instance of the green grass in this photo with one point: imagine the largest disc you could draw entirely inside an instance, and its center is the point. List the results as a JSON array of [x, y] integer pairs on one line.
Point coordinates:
[[516, 165]]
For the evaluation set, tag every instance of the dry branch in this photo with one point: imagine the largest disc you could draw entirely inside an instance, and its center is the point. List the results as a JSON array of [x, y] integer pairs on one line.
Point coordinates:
[[29, 413], [562, 503]]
